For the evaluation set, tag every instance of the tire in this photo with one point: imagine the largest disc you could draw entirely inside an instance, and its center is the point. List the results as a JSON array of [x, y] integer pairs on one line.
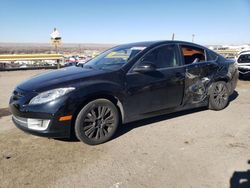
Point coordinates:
[[97, 122], [219, 96]]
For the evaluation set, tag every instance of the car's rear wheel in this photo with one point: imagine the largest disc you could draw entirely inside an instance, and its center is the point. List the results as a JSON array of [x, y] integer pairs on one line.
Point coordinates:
[[97, 122], [219, 96]]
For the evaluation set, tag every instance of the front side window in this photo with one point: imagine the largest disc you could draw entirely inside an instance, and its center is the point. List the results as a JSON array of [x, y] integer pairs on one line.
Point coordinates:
[[162, 57]]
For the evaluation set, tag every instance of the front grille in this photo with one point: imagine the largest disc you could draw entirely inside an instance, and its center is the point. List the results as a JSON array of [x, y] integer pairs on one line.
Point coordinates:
[[244, 70]]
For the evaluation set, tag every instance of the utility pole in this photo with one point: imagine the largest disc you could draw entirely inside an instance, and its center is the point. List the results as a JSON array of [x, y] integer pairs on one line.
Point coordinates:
[[173, 36], [193, 35], [56, 41]]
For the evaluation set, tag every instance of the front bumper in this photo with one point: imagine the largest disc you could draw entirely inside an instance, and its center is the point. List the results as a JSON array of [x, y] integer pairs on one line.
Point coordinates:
[[244, 70], [31, 123], [49, 113], [52, 131]]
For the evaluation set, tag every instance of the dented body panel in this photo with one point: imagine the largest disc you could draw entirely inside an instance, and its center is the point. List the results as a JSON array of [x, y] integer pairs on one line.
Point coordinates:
[[200, 77], [184, 82]]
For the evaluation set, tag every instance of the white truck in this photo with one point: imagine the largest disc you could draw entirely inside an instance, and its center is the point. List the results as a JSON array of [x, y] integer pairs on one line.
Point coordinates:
[[243, 62]]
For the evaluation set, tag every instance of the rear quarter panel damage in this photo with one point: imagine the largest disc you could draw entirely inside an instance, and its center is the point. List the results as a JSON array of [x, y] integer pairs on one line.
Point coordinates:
[[200, 77]]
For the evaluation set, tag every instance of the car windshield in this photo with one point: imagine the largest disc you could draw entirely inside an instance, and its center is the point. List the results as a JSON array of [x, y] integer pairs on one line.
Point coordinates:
[[114, 58], [244, 58]]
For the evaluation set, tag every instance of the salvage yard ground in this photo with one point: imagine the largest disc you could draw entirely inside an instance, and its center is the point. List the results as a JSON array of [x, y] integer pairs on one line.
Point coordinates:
[[197, 148]]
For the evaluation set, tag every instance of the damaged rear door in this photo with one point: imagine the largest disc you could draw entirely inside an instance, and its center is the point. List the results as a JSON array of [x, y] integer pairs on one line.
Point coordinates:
[[199, 74], [198, 78]]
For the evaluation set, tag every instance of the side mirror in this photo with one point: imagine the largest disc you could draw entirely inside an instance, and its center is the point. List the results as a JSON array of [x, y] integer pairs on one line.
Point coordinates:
[[145, 66]]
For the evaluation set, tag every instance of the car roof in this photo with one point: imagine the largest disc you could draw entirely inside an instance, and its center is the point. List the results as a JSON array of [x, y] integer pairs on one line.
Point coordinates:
[[159, 42]]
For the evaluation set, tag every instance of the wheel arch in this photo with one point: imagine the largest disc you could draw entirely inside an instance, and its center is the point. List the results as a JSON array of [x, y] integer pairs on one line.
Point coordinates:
[[219, 79], [114, 99]]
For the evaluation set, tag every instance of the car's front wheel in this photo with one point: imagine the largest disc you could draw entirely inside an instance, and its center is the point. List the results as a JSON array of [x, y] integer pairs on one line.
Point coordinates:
[[97, 122], [219, 96]]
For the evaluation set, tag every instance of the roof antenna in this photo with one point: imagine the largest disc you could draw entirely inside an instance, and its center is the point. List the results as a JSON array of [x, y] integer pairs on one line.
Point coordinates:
[[173, 36]]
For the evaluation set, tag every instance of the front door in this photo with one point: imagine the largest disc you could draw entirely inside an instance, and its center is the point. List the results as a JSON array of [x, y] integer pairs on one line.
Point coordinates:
[[159, 89]]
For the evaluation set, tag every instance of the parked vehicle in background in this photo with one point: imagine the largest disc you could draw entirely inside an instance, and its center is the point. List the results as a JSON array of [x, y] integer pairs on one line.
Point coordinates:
[[123, 84], [23, 66], [243, 62], [81, 63], [68, 64]]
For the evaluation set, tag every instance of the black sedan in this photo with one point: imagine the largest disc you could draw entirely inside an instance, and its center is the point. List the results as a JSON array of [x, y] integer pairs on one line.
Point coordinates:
[[123, 84]]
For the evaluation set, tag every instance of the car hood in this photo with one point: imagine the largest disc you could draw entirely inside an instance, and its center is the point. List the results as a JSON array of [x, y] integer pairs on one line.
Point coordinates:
[[58, 78]]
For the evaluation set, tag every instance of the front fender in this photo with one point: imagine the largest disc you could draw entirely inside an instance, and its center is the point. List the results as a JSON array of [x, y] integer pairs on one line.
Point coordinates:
[[94, 90]]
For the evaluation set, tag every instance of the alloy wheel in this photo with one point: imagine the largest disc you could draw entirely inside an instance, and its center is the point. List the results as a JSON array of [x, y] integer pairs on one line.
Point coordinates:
[[98, 122], [220, 94]]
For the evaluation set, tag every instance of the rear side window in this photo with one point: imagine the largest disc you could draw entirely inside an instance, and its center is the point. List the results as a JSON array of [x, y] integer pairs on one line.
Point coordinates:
[[163, 57], [192, 54], [244, 58]]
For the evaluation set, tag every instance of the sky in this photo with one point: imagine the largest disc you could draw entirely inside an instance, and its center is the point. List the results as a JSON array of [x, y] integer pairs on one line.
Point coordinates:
[[123, 21]]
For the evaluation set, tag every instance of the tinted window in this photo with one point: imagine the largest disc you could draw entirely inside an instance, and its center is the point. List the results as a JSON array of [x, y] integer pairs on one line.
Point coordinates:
[[162, 57], [244, 58], [192, 54]]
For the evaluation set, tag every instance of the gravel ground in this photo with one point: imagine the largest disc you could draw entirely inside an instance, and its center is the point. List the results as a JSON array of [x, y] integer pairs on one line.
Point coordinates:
[[197, 148]]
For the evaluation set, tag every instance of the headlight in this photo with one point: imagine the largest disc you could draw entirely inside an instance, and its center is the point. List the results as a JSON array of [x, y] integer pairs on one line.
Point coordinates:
[[50, 95]]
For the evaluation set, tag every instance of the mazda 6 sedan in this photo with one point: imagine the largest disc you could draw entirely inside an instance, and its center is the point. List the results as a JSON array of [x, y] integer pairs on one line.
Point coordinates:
[[123, 84]]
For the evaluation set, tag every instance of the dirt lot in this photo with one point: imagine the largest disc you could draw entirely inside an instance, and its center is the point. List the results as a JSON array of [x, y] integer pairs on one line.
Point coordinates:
[[200, 148]]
